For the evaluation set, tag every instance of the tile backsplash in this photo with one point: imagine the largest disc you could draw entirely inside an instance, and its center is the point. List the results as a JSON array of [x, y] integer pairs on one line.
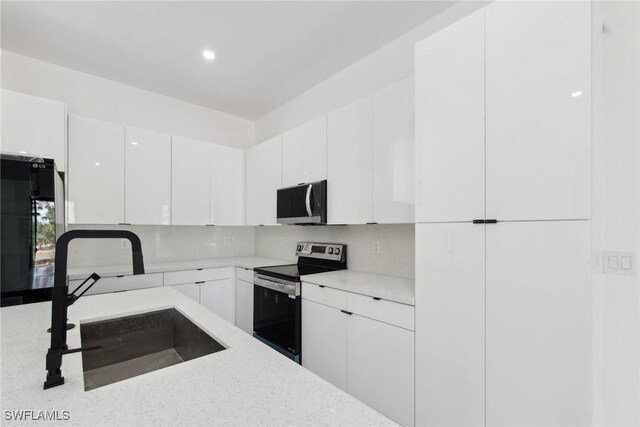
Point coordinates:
[[375, 248], [382, 249], [162, 243]]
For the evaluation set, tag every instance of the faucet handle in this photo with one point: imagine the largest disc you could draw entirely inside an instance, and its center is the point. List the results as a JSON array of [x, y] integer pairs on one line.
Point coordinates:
[[73, 297]]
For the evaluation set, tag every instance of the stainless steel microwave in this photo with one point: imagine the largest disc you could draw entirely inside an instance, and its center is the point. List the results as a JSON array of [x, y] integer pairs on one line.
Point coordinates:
[[303, 204]]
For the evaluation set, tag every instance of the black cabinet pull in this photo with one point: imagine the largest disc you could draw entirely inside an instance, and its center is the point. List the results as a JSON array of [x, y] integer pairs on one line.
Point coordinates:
[[346, 312], [491, 221], [199, 283], [322, 286], [121, 275], [376, 298], [199, 269], [485, 221]]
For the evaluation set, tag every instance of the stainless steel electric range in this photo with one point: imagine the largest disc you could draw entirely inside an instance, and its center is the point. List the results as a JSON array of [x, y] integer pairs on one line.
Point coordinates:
[[276, 295]]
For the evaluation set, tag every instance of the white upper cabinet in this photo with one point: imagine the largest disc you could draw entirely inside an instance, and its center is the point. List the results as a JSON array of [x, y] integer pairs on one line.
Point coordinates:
[[304, 153], [190, 163], [147, 176], [538, 67], [226, 186], [264, 178], [32, 125], [393, 153], [349, 163], [96, 171], [538, 323], [450, 144]]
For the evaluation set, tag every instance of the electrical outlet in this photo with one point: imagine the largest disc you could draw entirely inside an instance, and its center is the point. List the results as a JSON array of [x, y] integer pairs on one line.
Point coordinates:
[[376, 246], [623, 263], [227, 240], [124, 244]]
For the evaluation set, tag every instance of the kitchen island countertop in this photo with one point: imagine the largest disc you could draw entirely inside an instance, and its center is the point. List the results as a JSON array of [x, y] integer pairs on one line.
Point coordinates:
[[246, 384]]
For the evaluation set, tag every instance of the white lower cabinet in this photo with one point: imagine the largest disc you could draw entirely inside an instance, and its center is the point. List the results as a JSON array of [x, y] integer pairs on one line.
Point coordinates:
[[324, 342], [219, 297], [244, 299], [370, 359], [192, 290], [380, 367], [503, 324], [120, 283], [538, 305], [211, 287]]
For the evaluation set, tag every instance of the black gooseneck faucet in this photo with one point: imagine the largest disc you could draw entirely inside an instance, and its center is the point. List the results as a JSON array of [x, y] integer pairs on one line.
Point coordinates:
[[61, 299]]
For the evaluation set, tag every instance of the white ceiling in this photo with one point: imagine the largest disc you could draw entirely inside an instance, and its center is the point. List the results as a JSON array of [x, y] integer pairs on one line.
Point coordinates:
[[266, 52]]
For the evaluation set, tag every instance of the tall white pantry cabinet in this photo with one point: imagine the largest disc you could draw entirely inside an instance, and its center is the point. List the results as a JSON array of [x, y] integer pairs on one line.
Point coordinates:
[[503, 292]]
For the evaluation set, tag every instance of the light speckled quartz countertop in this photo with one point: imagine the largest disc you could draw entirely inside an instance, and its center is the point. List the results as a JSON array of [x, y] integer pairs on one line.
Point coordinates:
[[390, 288], [157, 267], [246, 384]]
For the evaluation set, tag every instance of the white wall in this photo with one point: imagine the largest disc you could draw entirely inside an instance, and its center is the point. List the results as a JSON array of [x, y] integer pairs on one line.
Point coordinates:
[[162, 244], [380, 69], [100, 98], [616, 211], [395, 258]]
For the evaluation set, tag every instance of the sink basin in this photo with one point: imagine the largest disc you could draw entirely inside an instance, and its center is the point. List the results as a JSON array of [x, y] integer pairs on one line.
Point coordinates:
[[141, 343]]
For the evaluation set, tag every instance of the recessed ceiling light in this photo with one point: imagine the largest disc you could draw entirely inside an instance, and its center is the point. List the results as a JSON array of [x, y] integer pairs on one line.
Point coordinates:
[[134, 143], [576, 94], [97, 164], [23, 152], [208, 55]]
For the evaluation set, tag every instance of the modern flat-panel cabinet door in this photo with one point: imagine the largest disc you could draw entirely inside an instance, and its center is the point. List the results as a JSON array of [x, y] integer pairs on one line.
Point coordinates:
[[189, 181], [35, 126], [304, 153], [538, 342], [219, 297], [226, 186], [96, 171], [393, 154], [192, 290], [449, 90], [349, 163], [244, 305], [147, 157], [538, 67], [450, 331], [264, 177], [380, 367], [324, 342]]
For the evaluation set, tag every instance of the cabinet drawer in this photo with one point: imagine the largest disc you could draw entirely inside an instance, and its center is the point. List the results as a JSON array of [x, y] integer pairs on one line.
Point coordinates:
[[199, 275], [121, 283], [385, 311], [243, 273], [324, 295]]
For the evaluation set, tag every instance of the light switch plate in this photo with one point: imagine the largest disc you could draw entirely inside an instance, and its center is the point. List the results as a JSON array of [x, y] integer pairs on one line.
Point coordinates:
[[614, 262]]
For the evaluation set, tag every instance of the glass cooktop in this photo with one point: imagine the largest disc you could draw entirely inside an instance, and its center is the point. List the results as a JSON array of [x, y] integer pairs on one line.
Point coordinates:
[[291, 272]]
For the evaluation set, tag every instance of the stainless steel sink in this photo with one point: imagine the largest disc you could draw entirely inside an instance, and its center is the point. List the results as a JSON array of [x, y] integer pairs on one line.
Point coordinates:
[[141, 343]]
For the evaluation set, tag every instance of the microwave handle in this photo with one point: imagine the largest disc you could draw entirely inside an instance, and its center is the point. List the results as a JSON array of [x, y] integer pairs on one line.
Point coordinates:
[[307, 200]]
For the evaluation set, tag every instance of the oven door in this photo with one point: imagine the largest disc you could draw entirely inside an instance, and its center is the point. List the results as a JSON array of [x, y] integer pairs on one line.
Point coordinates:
[[276, 314]]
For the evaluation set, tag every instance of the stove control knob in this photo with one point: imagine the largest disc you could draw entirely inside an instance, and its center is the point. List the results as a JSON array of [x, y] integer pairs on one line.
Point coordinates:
[[337, 251], [330, 251], [299, 248]]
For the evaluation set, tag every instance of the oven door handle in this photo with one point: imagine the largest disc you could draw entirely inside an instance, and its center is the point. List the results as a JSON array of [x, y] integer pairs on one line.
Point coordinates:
[[307, 200], [288, 288]]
